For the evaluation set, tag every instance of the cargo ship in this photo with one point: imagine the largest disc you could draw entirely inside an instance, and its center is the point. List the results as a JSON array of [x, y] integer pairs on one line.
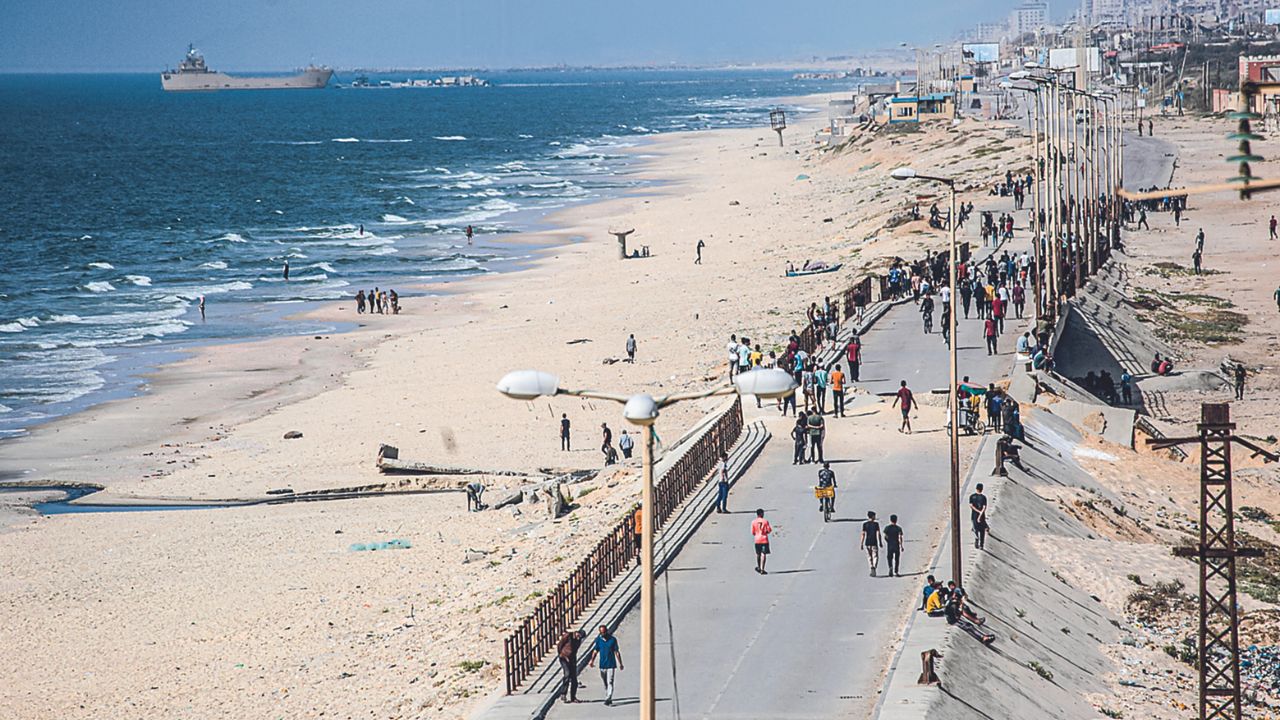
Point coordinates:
[[192, 74]]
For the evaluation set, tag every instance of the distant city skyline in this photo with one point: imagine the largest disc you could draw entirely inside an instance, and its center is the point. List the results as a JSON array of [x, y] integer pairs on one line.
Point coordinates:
[[142, 36]]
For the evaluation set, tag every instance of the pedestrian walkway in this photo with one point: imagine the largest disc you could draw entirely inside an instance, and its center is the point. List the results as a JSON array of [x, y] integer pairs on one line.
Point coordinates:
[[808, 640]]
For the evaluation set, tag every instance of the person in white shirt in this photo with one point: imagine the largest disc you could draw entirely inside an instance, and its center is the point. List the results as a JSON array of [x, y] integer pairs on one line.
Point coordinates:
[[733, 347], [945, 294]]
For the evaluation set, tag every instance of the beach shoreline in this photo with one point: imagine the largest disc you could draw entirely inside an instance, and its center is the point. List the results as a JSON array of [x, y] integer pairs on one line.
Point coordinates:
[[213, 387]]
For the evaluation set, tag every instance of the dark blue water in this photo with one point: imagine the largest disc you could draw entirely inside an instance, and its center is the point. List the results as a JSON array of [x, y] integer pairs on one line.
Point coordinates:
[[122, 205]]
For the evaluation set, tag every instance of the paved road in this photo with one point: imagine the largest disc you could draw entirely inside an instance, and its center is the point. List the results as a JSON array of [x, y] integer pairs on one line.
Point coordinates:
[[810, 639], [1148, 161]]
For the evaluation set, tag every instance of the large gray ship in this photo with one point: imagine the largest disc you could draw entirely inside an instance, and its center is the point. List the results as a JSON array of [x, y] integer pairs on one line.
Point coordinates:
[[192, 74]]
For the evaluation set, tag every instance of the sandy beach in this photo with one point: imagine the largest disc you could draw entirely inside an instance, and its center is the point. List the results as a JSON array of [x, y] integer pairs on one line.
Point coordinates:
[[262, 610]]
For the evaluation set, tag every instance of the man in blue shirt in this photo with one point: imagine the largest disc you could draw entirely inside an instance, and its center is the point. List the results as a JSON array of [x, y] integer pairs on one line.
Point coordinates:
[[606, 648]]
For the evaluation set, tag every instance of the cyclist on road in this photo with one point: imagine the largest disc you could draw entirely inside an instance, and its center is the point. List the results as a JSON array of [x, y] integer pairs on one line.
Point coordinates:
[[827, 478], [926, 309]]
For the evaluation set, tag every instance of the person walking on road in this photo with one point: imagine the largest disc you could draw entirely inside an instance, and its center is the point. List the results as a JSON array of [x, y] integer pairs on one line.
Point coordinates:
[[992, 334], [760, 530], [893, 539], [722, 484], [625, 444], [606, 650], [564, 431], [800, 436], [606, 444], [836, 380], [871, 541], [817, 435], [567, 654], [631, 348], [906, 401], [978, 513], [853, 353], [698, 260], [1273, 227]]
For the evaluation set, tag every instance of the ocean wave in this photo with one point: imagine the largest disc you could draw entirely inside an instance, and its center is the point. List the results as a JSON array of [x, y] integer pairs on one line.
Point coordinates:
[[102, 265], [19, 325], [382, 250], [345, 140], [396, 219], [526, 137], [139, 280], [322, 266], [391, 140], [450, 137], [230, 237], [292, 142], [405, 199], [214, 265], [65, 319], [99, 286]]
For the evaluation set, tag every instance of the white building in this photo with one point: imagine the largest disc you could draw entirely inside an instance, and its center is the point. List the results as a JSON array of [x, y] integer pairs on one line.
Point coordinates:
[[1029, 17]]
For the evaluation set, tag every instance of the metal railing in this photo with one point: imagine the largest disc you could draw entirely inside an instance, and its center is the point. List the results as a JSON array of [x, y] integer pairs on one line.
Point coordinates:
[[538, 632]]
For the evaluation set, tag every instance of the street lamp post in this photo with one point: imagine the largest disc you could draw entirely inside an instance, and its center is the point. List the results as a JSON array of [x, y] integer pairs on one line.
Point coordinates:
[[643, 409], [906, 173]]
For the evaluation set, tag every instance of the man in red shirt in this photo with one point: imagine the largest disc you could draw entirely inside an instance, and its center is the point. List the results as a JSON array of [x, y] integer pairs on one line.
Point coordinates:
[[997, 312], [989, 330], [906, 400], [760, 529], [853, 352]]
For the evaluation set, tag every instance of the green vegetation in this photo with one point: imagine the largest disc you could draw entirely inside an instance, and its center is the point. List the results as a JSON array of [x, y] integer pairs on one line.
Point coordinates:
[[1211, 327], [1041, 670], [1157, 602], [1172, 269], [1134, 578], [994, 148], [472, 665], [1259, 577], [1111, 713]]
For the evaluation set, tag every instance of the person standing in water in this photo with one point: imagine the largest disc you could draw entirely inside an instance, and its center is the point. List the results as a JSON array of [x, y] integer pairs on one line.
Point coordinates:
[[470, 234], [202, 307], [286, 269]]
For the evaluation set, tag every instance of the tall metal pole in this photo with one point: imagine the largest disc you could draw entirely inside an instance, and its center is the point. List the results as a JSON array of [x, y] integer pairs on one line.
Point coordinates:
[[954, 405], [648, 706], [1038, 233]]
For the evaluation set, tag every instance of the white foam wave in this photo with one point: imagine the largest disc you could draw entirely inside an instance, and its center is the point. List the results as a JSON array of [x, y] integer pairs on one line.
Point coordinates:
[[389, 218], [65, 319], [214, 265], [99, 286], [406, 200], [346, 140], [526, 137], [448, 138], [86, 237], [139, 280], [230, 237], [391, 140], [102, 265], [323, 266], [19, 325]]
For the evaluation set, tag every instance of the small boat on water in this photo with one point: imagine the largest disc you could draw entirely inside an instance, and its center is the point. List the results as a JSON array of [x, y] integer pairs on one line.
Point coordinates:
[[791, 272]]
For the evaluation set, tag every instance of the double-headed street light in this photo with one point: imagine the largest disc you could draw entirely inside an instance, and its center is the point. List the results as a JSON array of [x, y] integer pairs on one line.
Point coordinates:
[[643, 409], [906, 173]]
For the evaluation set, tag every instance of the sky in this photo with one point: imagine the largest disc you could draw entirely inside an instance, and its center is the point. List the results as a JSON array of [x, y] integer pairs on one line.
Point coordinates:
[[138, 35]]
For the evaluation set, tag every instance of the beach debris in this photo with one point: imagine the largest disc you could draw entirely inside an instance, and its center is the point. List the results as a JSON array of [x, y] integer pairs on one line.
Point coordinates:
[[389, 462], [734, 203], [610, 360], [514, 498], [395, 544], [293, 435], [280, 491], [802, 177], [579, 341]]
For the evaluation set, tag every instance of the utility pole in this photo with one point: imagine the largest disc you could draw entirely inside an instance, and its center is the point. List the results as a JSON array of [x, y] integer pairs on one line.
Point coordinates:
[[1219, 641]]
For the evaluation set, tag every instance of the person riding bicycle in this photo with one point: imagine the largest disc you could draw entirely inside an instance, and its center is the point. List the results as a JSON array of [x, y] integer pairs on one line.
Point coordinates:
[[926, 309], [827, 478]]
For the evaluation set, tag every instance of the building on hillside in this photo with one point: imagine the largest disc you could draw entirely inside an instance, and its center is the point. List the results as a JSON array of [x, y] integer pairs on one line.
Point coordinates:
[[911, 109]]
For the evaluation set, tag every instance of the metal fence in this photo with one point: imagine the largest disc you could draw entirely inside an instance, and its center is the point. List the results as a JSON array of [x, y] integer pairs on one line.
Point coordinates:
[[538, 633]]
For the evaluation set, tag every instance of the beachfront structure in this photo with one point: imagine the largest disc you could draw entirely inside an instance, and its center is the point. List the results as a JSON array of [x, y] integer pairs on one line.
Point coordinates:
[[909, 108]]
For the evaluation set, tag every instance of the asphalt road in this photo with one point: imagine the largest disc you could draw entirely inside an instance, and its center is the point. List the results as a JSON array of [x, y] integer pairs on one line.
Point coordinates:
[[1148, 161], [810, 639]]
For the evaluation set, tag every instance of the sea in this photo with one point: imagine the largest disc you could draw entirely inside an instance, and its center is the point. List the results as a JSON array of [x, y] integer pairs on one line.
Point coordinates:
[[122, 205]]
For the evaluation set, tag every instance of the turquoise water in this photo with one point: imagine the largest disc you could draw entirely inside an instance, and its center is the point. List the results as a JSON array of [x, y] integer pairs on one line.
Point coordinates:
[[122, 205]]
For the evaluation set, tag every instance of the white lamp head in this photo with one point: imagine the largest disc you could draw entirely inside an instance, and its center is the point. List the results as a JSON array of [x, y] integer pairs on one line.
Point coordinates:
[[765, 383], [641, 409], [903, 173], [528, 384], [1033, 65], [1019, 75]]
